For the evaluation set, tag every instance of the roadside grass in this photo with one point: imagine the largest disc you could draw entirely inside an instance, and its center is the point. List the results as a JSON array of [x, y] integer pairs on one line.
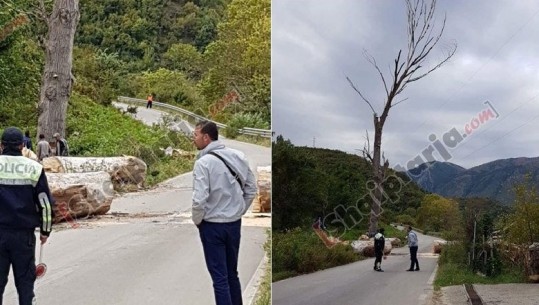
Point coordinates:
[[453, 270], [263, 296], [301, 251], [450, 274], [254, 140], [391, 231]]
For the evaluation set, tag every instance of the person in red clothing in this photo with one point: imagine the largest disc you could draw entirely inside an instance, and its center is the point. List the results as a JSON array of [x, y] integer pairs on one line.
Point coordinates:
[[150, 101]]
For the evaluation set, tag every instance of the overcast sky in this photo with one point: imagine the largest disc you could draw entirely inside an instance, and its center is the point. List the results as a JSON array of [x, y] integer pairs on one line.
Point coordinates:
[[317, 43]]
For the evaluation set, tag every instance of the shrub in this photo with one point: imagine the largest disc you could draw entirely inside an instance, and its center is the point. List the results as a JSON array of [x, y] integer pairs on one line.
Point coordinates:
[[406, 219], [298, 252], [241, 120]]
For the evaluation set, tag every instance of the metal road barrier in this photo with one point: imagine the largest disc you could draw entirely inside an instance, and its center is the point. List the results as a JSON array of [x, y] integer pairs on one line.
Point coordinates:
[[193, 117]]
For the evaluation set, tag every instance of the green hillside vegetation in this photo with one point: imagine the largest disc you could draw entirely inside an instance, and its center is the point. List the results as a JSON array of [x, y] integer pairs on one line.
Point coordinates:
[[172, 49], [187, 53], [312, 182]]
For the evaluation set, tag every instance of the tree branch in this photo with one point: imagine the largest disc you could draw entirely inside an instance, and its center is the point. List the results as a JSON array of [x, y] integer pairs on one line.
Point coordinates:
[[367, 148], [359, 92], [372, 60], [400, 102]]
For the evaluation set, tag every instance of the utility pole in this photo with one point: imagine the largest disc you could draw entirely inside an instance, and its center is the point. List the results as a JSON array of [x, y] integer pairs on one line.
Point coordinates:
[[314, 142]]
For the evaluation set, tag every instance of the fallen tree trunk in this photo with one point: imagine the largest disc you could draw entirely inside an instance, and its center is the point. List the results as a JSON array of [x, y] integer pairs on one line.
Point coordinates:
[[262, 201], [124, 171], [366, 247], [438, 245], [80, 195]]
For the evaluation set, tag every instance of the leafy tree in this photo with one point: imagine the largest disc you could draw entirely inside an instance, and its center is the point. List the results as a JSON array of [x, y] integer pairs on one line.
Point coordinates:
[[169, 87], [21, 60], [522, 225], [438, 213], [184, 58], [240, 58], [97, 73], [301, 191]]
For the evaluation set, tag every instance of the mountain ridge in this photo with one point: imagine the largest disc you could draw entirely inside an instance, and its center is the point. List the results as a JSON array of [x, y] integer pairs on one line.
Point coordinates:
[[494, 179]]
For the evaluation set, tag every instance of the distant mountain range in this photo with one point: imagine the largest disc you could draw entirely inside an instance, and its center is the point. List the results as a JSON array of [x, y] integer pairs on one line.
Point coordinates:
[[494, 180]]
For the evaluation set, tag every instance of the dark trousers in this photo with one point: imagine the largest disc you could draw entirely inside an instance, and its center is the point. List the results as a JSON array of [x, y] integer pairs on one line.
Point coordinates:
[[378, 260], [413, 258], [148, 105], [221, 244], [17, 248]]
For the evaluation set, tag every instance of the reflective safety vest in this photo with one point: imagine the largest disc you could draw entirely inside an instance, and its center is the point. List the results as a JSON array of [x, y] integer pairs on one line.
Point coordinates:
[[18, 170], [25, 199]]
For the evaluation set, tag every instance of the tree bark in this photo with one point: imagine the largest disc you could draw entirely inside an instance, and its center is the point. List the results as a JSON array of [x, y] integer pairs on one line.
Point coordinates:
[[376, 207], [80, 195], [123, 171], [262, 201], [57, 79]]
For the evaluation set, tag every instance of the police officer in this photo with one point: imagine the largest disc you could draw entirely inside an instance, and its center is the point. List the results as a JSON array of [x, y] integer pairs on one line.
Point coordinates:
[[25, 203]]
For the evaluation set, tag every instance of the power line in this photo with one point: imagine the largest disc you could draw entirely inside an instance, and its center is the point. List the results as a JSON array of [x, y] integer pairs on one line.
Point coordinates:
[[505, 134]]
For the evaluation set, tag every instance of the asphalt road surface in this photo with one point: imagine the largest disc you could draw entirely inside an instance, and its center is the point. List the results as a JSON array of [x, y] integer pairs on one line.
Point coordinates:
[[145, 250], [359, 284]]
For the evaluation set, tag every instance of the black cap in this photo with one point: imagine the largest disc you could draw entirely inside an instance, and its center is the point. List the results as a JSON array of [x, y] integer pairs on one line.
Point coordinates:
[[12, 136]]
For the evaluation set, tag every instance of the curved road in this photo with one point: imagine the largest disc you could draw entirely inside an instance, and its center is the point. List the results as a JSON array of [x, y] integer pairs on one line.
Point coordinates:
[[145, 250], [359, 284]]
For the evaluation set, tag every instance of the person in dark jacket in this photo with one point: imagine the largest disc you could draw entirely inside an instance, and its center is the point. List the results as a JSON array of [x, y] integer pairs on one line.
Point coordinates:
[[379, 244], [25, 203], [28, 141], [62, 149]]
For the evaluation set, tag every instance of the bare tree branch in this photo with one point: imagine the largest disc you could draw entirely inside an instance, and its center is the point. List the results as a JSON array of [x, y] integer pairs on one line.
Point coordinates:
[[371, 59], [359, 92], [400, 102], [367, 148], [450, 54]]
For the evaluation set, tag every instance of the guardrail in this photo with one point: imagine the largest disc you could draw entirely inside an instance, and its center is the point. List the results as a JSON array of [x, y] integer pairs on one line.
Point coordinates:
[[193, 117]]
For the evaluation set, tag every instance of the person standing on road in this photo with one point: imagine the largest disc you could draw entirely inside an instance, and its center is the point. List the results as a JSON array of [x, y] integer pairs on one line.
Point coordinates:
[[62, 149], [413, 244], [28, 141], [379, 245], [43, 148], [25, 203], [150, 101], [223, 189]]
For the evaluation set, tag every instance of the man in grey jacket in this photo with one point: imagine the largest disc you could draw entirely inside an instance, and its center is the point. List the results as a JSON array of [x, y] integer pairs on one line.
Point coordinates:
[[223, 189], [413, 245]]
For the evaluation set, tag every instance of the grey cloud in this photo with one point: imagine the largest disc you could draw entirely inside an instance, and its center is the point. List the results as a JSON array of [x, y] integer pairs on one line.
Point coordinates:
[[316, 43]]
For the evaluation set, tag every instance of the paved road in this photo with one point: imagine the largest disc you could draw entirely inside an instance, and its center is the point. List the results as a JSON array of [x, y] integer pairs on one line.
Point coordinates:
[[144, 251], [359, 284]]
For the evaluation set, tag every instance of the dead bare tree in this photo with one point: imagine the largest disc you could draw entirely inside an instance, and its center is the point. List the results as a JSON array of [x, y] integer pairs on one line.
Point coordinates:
[[422, 38], [57, 79]]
